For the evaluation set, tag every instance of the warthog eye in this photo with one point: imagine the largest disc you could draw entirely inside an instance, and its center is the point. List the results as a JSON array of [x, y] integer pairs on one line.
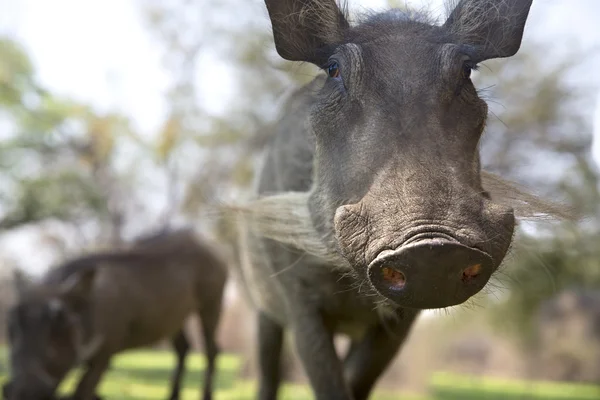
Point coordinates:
[[333, 70]]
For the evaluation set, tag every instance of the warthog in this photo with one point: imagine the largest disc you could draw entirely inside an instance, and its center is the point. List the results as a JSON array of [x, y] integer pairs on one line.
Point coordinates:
[[371, 202], [93, 307]]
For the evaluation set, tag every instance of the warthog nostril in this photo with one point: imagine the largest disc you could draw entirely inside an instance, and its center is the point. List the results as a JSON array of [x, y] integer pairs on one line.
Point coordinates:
[[470, 273], [393, 277]]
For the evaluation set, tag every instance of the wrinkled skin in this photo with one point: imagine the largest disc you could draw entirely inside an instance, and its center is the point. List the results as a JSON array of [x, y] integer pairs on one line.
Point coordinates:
[[93, 307], [386, 146]]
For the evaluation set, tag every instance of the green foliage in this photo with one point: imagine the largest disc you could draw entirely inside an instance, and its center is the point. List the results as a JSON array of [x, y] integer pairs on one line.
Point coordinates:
[[541, 268], [56, 155], [539, 132], [65, 196], [224, 146], [540, 137], [15, 73]]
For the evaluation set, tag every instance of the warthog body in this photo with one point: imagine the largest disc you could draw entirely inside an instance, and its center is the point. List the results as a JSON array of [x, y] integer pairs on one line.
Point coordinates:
[[372, 205], [93, 307]]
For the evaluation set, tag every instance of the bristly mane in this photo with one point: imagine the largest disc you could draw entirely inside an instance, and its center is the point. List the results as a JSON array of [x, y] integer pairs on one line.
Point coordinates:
[[395, 15]]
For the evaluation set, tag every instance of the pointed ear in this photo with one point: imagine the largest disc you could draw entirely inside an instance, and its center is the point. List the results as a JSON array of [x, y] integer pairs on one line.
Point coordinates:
[[306, 30], [78, 286], [493, 27]]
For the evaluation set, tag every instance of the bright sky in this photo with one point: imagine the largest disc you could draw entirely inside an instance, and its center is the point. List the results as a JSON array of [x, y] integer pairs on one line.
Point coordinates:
[[98, 51]]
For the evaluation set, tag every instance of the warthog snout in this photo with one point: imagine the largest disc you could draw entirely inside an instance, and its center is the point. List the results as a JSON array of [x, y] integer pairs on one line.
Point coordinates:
[[430, 273], [432, 253]]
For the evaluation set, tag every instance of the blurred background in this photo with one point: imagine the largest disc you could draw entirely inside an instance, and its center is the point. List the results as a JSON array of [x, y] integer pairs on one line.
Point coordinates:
[[118, 117]]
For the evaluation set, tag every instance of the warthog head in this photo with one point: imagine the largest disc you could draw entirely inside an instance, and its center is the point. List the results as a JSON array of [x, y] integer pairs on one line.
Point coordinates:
[[45, 330], [397, 123]]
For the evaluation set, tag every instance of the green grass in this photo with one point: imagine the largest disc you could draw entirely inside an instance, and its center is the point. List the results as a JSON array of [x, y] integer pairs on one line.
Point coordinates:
[[146, 375], [451, 386]]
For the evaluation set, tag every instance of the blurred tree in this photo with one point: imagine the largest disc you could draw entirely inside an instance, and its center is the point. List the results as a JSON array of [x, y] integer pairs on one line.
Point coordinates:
[[222, 147], [539, 130], [540, 135], [57, 157]]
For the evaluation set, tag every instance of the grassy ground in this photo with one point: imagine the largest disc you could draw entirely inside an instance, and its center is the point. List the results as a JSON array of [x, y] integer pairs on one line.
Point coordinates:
[[145, 375]]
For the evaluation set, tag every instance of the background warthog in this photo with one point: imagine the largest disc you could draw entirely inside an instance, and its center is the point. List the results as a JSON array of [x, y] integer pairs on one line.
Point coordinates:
[[92, 307], [373, 177]]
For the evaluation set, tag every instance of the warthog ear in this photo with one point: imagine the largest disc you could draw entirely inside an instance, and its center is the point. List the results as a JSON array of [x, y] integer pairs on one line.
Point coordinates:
[[306, 30], [77, 287], [494, 27]]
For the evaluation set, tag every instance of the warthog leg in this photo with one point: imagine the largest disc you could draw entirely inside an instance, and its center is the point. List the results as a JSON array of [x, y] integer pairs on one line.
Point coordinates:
[[368, 358], [210, 321], [87, 385], [182, 347], [270, 340], [314, 343]]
